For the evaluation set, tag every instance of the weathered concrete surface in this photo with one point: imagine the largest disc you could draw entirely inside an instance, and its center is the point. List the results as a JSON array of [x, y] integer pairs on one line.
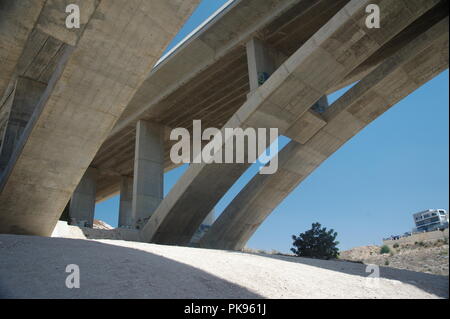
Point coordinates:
[[52, 20], [415, 64], [92, 85], [148, 187], [24, 99], [82, 203], [45, 43], [324, 60], [17, 19]]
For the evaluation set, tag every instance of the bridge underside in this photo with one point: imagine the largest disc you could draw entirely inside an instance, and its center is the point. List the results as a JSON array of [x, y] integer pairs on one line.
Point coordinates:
[[284, 101], [208, 79], [81, 143]]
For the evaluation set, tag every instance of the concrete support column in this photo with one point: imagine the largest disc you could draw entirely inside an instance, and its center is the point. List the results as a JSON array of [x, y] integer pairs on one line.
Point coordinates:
[[82, 203], [126, 200], [148, 171], [23, 100], [262, 62]]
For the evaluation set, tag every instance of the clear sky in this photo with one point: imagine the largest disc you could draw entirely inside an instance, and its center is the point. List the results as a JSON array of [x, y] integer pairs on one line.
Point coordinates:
[[369, 188]]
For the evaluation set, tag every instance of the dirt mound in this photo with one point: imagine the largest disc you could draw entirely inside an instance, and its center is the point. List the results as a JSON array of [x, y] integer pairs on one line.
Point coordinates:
[[428, 257]]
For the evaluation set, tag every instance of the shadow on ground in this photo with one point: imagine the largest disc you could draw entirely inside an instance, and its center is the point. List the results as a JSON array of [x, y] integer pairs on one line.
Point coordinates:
[[34, 267], [434, 284]]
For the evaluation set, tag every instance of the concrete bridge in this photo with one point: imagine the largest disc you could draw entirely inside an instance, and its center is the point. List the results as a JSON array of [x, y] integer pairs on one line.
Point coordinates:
[[88, 117]]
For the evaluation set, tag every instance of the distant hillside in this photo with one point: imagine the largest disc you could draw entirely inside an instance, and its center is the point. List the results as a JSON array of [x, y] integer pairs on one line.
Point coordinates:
[[428, 257]]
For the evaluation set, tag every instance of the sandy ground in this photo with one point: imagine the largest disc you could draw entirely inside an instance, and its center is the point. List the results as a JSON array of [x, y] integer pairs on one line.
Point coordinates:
[[34, 267]]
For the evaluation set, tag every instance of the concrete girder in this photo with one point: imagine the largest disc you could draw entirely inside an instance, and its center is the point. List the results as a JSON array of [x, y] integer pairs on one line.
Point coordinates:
[[93, 83], [414, 65], [323, 61]]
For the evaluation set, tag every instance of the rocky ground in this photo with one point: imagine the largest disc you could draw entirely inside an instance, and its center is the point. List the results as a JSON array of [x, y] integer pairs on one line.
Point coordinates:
[[36, 267], [427, 257]]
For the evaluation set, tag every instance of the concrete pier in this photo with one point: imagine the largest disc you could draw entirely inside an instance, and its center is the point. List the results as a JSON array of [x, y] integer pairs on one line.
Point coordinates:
[[148, 187], [82, 203], [126, 200], [262, 62]]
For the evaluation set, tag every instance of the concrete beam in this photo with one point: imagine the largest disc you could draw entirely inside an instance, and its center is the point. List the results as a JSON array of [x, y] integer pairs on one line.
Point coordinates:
[[324, 60], [82, 203], [93, 84], [126, 199], [418, 62], [24, 100], [148, 188]]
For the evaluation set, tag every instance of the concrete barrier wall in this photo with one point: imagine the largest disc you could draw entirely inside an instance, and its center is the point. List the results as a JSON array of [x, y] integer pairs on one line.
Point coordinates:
[[429, 236]]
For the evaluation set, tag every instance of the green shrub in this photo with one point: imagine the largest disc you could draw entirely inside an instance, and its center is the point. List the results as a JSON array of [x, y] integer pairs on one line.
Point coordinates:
[[396, 245], [317, 242], [385, 249]]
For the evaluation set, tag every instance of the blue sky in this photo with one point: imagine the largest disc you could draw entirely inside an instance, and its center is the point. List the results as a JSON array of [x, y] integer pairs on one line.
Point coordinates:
[[370, 187]]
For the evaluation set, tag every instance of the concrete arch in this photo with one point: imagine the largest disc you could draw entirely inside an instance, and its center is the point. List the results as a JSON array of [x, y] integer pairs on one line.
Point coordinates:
[[341, 45], [414, 65]]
